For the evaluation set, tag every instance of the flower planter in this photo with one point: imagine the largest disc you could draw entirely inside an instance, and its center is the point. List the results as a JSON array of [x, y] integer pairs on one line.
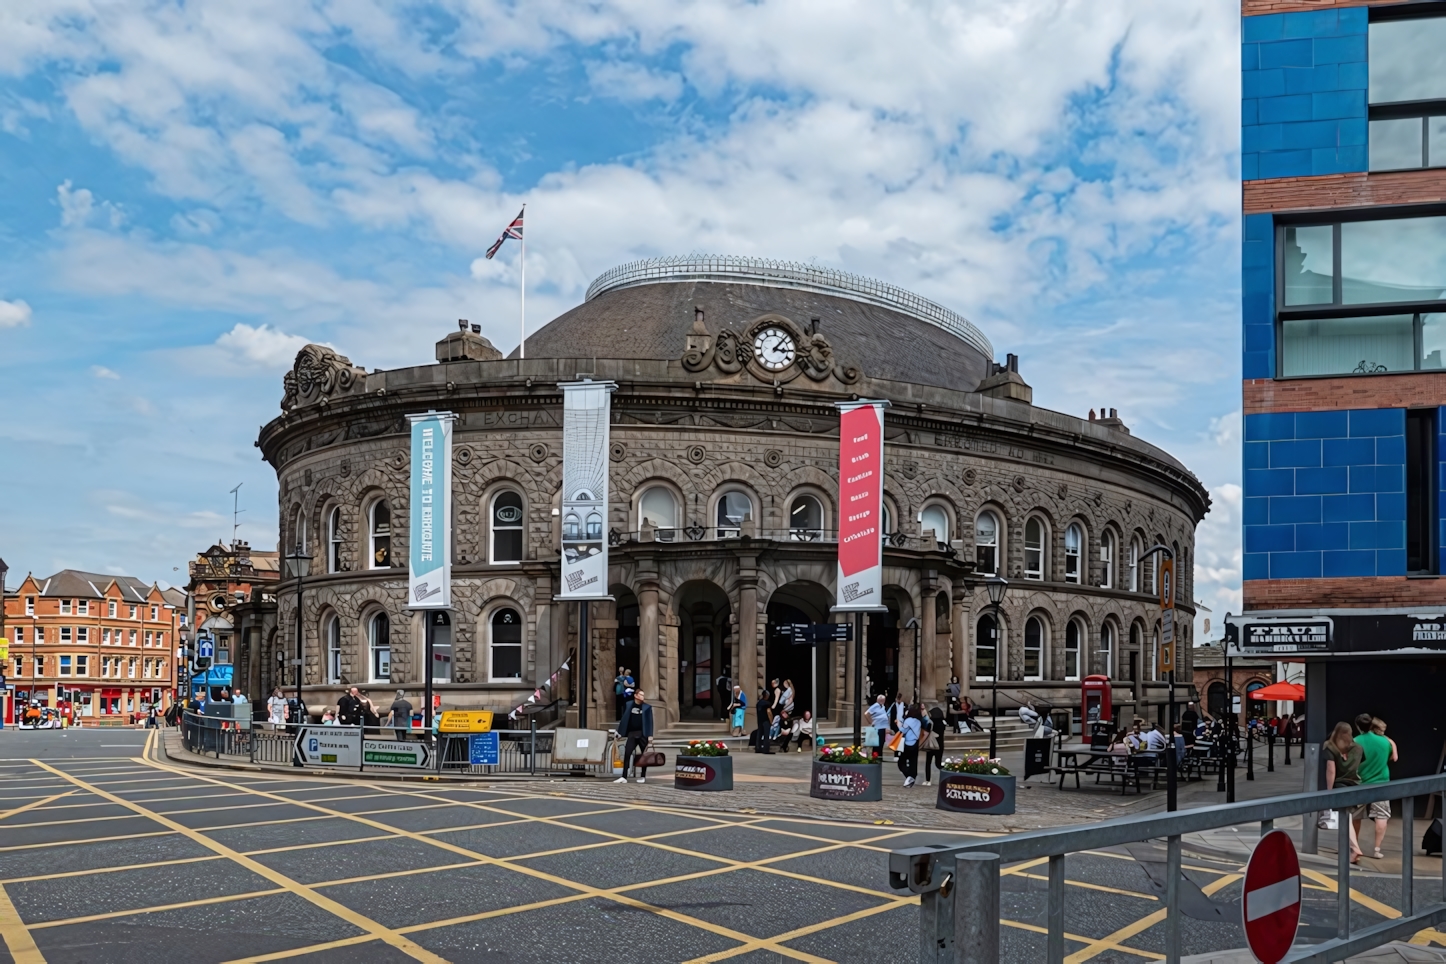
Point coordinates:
[[975, 793], [703, 773], [846, 781]]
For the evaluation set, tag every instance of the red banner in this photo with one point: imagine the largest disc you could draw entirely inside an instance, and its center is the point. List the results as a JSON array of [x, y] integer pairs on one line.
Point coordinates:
[[860, 506]]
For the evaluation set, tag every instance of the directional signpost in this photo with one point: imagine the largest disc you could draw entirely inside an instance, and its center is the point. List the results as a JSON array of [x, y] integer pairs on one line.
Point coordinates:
[[1271, 907], [815, 635], [205, 652]]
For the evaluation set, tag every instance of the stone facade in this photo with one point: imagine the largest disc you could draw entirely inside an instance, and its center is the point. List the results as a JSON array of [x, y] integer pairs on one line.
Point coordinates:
[[697, 426]]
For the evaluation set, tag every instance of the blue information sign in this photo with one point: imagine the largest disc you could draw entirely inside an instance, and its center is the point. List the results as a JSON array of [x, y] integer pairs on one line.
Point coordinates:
[[205, 647], [482, 749]]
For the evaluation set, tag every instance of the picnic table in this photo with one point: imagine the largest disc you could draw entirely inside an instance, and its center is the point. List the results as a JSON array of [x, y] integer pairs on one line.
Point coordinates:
[[1102, 762]]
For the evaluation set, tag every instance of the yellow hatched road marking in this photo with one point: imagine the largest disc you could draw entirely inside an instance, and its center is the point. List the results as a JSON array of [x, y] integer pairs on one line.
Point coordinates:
[[88, 840], [31, 806], [755, 945], [203, 902], [1104, 945], [1113, 941], [113, 870], [1330, 884], [13, 931], [333, 907]]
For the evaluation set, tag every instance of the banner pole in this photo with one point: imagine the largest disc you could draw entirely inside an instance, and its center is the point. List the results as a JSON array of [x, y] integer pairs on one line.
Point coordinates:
[[522, 319], [858, 679], [582, 665]]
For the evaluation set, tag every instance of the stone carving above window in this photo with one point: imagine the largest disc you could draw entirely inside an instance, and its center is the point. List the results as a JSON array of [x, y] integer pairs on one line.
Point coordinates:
[[732, 352], [318, 374]]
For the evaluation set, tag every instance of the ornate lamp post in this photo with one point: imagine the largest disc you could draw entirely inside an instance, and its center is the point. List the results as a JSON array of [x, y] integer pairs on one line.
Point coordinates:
[[298, 564], [996, 585]]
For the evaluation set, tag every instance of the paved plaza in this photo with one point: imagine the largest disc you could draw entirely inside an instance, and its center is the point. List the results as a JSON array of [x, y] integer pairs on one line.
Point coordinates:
[[112, 851]]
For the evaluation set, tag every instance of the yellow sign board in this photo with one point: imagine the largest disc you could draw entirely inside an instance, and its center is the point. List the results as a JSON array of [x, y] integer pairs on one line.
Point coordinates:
[[466, 721], [4, 648]]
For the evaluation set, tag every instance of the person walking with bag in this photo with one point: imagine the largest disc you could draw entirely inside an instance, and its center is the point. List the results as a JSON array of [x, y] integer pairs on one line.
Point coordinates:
[[636, 727], [912, 731], [1342, 769], [878, 715], [932, 743], [1378, 753], [736, 711]]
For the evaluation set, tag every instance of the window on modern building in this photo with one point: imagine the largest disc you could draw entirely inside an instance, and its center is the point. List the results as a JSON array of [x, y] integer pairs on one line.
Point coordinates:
[[1407, 93], [506, 644], [333, 650], [379, 644], [986, 647], [935, 518], [986, 543], [733, 508], [1107, 649], [1073, 545], [659, 509], [333, 539], [1107, 559], [1071, 650], [379, 538], [805, 519], [1363, 297], [507, 518], [1422, 492], [1034, 549], [1034, 648]]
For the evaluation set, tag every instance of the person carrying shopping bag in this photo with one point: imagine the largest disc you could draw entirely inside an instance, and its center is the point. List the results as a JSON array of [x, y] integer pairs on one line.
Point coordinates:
[[636, 727]]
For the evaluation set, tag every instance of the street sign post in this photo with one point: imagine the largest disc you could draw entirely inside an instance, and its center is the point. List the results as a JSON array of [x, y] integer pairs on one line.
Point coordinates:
[[1271, 908], [1167, 615], [205, 652]]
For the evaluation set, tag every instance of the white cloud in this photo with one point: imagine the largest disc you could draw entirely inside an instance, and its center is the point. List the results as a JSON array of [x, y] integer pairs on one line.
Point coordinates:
[[14, 314], [100, 371], [262, 345], [77, 206], [633, 82]]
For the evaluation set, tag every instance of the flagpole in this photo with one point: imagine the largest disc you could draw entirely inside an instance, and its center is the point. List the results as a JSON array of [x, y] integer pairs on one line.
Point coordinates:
[[522, 321]]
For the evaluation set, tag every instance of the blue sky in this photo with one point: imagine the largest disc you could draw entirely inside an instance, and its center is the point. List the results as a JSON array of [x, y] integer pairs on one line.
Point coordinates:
[[191, 191]]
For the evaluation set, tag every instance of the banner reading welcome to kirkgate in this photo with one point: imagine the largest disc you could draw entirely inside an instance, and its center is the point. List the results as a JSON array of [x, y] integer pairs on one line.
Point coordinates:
[[586, 412], [860, 506], [429, 558]]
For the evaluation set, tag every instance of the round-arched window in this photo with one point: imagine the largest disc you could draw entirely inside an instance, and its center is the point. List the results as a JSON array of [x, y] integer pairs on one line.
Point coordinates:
[[805, 519], [986, 648], [1034, 549], [936, 518], [380, 535], [506, 644], [333, 540], [1107, 649], [333, 650], [507, 526], [658, 508], [1034, 648], [1073, 545], [1107, 559], [986, 543], [733, 508], [1071, 650], [379, 642]]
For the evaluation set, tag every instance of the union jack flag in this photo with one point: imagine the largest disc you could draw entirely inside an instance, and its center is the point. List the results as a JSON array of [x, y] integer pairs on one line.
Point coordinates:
[[514, 230]]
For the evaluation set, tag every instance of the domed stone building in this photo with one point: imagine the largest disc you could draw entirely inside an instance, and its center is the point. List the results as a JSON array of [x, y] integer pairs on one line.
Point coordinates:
[[722, 520]]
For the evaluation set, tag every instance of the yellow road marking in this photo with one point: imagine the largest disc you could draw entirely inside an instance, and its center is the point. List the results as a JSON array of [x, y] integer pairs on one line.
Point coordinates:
[[88, 840], [112, 870], [1114, 941], [31, 806], [229, 898], [407, 947], [804, 931], [1101, 887], [316, 846], [1105, 946], [67, 823], [13, 931]]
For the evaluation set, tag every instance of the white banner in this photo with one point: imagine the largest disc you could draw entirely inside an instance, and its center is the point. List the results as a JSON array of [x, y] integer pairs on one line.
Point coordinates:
[[586, 412], [860, 506], [429, 556]]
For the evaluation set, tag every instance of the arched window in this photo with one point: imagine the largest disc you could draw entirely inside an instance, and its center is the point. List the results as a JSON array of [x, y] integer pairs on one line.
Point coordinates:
[[1136, 645], [986, 648], [1034, 549], [594, 526], [805, 519], [506, 527], [439, 624], [379, 537], [506, 645], [658, 508], [1107, 648], [1071, 650], [298, 531], [571, 527], [1135, 550], [1107, 559], [888, 520], [1155, 653], [1034, 648], [1215, 699], [733, 508], [333, 539], [1073, 541], [379, 645], [937, 518], [1254, 707], [986, 543], [333, 650], [1179, 572]]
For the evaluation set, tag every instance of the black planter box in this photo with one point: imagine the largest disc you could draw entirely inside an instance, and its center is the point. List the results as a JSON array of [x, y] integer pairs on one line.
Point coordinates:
[[846, 781], [975, 793], [703, 773]]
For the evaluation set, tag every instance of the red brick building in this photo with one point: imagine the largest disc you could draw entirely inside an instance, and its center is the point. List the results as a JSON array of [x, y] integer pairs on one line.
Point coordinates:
[[107, 643]]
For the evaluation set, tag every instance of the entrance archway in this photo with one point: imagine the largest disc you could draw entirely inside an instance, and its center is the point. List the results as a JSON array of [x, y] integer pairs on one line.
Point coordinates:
[[626, 652], [703, 622], [800, 602], [882, 659]]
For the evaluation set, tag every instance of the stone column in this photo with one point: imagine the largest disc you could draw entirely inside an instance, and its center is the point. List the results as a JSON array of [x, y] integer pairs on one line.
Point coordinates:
[[750, 673], [647, 590], [961, 668], [928, 683]]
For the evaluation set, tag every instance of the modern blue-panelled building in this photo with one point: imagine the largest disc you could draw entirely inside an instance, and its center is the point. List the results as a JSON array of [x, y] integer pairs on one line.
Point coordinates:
[[1343, 270]]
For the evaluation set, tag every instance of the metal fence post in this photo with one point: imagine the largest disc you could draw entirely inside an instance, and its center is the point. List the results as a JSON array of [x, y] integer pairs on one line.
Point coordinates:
[[1408, 854], [1309, 830], [933, 908], [1054, 952], [1343, 874], [1172, 900], [976, 908], [532, 750]]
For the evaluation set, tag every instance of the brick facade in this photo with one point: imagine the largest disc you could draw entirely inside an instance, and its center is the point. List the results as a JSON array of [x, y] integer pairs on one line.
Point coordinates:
[[1256, 8], [1386, 592], [1415, 390], [1332, 191]]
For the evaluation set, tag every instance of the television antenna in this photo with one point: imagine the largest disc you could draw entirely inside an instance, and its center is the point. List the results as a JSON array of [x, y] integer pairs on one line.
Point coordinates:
[[236, 511]]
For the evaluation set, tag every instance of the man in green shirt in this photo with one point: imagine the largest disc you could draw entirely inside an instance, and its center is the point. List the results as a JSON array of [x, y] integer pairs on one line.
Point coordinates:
[[1379, 752]]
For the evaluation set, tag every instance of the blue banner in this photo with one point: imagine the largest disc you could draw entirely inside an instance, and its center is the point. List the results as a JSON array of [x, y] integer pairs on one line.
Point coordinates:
[[429, 539]]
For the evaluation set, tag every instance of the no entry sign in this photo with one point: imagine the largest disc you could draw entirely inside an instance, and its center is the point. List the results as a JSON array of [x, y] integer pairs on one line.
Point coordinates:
[[1271, 907]]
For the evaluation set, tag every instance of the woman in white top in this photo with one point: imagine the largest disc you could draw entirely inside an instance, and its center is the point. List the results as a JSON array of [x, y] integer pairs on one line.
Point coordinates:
[[276, 708], [788, 696]]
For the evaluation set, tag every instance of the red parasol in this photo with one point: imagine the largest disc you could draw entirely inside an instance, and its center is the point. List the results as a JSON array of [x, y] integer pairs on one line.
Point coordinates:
[[1280, 691]]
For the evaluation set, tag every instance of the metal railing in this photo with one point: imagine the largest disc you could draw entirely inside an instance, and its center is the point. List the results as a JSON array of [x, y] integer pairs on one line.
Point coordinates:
[[518, 751], [713, 533], [959, 885], [790, 274]]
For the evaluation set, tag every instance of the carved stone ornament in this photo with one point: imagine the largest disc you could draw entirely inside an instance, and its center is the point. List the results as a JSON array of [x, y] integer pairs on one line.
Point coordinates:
[[1063, 491], [463, 455], [538, 452], [617, 451], [773, 458], [970, 476], [307, 476], [731, 352], [317, 374], [1020, 482], [909, 469], [696, 454], [345, 467]]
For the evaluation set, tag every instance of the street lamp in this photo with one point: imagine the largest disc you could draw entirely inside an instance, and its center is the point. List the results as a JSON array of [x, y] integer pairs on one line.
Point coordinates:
[[298, 564], [913, 624], [996, 585]]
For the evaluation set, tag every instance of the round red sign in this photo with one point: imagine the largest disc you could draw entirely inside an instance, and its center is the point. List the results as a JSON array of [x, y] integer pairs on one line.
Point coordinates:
[[1271, 904]]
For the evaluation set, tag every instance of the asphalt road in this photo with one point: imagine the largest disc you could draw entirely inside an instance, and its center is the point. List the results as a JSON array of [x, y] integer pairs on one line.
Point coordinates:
[[109, 853]]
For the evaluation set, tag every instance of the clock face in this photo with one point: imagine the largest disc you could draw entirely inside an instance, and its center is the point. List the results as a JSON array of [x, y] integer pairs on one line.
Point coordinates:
[[774, 348]]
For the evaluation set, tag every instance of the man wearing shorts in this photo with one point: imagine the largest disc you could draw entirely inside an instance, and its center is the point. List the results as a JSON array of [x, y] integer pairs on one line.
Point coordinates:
[[1375, 767]]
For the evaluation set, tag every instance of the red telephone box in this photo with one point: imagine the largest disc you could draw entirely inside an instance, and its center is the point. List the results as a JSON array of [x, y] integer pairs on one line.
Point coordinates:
[[1095, 706]]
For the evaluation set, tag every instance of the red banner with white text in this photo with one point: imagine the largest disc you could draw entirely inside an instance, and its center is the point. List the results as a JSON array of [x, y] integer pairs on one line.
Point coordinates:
[[860, 506]]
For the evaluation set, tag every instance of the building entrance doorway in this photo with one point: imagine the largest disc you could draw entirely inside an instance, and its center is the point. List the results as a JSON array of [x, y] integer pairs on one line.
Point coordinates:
[[703, 656], [881, 661], [799, 602]]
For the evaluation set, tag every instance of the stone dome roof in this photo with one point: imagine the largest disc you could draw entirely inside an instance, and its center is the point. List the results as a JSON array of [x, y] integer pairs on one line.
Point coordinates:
[[646, 310]]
